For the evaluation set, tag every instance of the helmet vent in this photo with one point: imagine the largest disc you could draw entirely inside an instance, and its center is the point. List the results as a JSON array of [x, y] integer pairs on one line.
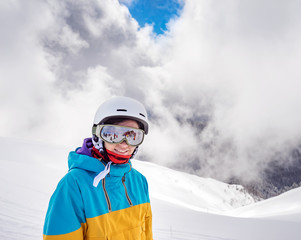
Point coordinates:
[[142, 114], [121, 110]]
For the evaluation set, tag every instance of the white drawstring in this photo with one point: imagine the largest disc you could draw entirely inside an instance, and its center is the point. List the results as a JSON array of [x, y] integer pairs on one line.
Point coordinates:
[[102, 175]]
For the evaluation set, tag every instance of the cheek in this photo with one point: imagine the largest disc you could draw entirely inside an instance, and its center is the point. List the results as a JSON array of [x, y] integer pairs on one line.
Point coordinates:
[[132, 149], [109, 146]]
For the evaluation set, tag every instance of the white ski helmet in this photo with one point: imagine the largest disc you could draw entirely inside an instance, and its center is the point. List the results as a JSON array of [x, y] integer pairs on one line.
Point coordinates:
[[122, 107]]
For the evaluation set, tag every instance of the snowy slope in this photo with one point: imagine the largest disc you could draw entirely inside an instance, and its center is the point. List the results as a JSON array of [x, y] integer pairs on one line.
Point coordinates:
[[286, 206], [190, 191], [184, 206]]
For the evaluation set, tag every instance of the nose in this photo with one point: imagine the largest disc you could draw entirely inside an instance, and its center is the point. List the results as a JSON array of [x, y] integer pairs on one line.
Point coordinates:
[[123, 144]]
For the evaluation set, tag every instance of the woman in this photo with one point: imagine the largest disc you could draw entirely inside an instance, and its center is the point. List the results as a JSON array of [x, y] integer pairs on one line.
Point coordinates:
[[102, 196]]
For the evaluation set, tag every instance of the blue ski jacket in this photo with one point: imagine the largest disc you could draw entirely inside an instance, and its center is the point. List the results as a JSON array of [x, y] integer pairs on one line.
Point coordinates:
[[118, 208]]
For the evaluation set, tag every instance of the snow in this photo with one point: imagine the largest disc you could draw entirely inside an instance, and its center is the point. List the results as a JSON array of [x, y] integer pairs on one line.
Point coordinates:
[[190, 191], [184, 206], [286, 206]]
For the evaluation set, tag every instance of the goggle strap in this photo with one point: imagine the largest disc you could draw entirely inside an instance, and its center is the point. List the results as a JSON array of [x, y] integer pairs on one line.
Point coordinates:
[[94, 128]]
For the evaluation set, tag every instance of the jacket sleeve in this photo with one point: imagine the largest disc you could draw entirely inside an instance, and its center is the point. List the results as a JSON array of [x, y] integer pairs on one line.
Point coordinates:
[[65, 217], [148, 218], [148, 225]]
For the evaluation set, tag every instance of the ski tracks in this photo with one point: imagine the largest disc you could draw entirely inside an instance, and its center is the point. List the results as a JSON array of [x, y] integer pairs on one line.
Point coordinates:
[[163, 234]]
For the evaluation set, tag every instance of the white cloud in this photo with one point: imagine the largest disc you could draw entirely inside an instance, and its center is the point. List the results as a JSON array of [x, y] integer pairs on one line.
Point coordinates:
[[25, 74], [234, 64], [128, 2], [244, 63]]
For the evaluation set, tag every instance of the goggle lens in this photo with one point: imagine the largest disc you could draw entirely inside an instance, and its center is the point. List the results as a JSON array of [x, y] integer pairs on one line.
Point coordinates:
[[118, 134]]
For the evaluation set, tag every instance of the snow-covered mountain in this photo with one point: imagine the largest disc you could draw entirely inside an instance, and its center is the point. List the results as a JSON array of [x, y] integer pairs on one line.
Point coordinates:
[[184, 206]]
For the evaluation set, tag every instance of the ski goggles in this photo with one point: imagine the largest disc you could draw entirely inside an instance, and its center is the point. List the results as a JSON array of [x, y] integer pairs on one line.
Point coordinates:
[[117, 134]]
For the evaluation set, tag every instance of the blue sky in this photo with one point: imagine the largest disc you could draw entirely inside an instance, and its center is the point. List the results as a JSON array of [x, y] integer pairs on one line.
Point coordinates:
[[156, 12]]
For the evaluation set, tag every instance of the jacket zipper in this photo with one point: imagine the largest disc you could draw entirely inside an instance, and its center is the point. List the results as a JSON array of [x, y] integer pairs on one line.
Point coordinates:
[[106, 194], [126, 192]]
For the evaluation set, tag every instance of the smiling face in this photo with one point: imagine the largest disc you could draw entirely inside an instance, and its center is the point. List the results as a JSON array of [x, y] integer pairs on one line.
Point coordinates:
[[122, 148]]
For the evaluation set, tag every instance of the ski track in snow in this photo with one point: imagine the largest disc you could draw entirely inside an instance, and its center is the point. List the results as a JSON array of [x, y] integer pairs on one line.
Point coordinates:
[[179, 235]]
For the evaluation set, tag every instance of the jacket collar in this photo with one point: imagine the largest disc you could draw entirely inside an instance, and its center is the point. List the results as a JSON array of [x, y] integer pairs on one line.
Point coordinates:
[[85, 162]]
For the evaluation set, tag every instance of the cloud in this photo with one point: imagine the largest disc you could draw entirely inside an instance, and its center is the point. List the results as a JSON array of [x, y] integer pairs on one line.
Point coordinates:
[[25, 73], [61, 60], [237, 59], [221, 85], [128, 2]]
